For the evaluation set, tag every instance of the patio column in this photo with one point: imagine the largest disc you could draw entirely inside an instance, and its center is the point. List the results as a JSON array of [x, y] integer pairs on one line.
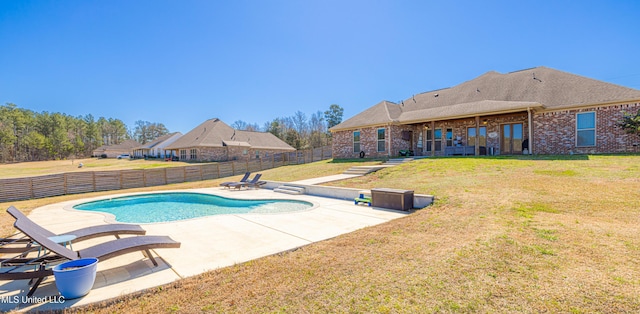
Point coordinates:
[[530, 131], [433, 139]]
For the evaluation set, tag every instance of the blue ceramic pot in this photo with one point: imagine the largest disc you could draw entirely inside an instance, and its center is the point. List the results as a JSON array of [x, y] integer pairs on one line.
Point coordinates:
[[75, 279]]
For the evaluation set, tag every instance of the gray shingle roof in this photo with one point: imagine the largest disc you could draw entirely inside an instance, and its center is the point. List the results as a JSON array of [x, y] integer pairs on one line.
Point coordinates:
[[157, 141], [215, 133], [382, 113], [125, 145], [494, 92]]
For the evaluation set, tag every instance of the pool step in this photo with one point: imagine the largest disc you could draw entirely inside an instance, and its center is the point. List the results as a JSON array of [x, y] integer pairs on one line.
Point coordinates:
[[288, 189]]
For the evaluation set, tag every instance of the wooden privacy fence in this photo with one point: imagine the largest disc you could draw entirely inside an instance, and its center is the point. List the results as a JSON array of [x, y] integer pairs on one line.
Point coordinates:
[[93, 181]]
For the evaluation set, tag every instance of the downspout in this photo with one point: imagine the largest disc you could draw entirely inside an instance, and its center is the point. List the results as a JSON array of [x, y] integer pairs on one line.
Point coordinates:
[[530, 131], [477, 140]]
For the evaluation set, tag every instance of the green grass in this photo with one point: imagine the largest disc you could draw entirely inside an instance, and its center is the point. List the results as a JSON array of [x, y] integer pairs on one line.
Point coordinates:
[[39, 168], [525, 234]]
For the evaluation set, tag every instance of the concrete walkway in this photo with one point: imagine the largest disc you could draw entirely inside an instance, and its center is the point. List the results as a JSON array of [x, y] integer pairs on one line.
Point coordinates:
[[207, 243], [320, 180]]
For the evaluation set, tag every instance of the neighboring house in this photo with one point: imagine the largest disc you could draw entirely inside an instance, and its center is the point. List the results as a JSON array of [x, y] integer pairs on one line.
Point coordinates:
[[157, 147], [213, 140], [113, 151], [533, 111]]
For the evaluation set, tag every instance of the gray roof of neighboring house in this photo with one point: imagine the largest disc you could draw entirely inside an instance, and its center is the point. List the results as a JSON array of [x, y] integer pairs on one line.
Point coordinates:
[[127, 144], [158, 140], [494, 92], [215, 133]]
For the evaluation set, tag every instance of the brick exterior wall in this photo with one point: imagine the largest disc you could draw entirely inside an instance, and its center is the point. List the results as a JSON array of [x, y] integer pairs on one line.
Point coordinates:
[[343, 140], [343, 143], [555, 132], [228, 153]]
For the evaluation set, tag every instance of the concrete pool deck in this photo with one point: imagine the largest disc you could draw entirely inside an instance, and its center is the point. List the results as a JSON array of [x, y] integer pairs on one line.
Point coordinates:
[[207, 243]]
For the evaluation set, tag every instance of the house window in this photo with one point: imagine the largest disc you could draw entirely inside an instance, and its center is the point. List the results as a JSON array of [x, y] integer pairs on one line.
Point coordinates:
[[183, 154], [419, 141], [244, 152], [429, 139], [449, 137], [381, 142], [586, 129], [356, 141], [194, 154], [257, 154], [437, 137]]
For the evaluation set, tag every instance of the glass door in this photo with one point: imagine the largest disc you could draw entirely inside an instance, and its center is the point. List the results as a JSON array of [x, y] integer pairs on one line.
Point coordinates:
[[512, 137]]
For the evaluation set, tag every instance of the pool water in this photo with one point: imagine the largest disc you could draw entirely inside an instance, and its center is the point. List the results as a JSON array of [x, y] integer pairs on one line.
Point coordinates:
[[173, 206]]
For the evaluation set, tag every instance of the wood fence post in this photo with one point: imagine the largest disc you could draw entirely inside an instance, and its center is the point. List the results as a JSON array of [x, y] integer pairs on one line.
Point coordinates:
[[218, 166], [33, 195], [233, 168], [165, 176]]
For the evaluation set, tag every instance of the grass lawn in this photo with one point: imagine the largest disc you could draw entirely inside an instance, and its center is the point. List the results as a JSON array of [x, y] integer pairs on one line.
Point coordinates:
[[39, 168], [522, 234]]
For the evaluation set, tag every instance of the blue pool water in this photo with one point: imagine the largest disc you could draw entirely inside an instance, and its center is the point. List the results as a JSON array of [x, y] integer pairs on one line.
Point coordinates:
[[163, 207]]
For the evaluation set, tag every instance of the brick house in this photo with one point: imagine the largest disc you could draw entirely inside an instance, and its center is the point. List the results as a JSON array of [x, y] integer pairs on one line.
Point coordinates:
[[112, 151], [213, 140], [157, 147], [533, 111]]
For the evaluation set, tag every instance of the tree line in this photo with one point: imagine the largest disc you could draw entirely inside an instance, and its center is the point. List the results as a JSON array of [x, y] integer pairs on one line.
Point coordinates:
[[26, 135], [299, 131]]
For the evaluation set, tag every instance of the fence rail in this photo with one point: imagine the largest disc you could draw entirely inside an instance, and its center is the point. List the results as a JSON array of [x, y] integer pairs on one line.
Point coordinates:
[[16, 189]]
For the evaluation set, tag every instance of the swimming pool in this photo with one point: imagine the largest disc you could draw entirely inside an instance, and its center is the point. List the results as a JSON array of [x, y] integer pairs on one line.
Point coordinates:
[[173, 206]]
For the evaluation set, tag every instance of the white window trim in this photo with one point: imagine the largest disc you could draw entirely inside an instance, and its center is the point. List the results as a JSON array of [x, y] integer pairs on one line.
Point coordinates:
[[595, 132], [353, 141]]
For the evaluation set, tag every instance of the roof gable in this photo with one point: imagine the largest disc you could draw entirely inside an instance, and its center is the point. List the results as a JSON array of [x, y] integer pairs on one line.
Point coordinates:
[[210, 133]]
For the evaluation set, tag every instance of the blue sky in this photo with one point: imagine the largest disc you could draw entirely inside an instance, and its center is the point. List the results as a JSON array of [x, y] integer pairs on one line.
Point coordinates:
[[182, 62]]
